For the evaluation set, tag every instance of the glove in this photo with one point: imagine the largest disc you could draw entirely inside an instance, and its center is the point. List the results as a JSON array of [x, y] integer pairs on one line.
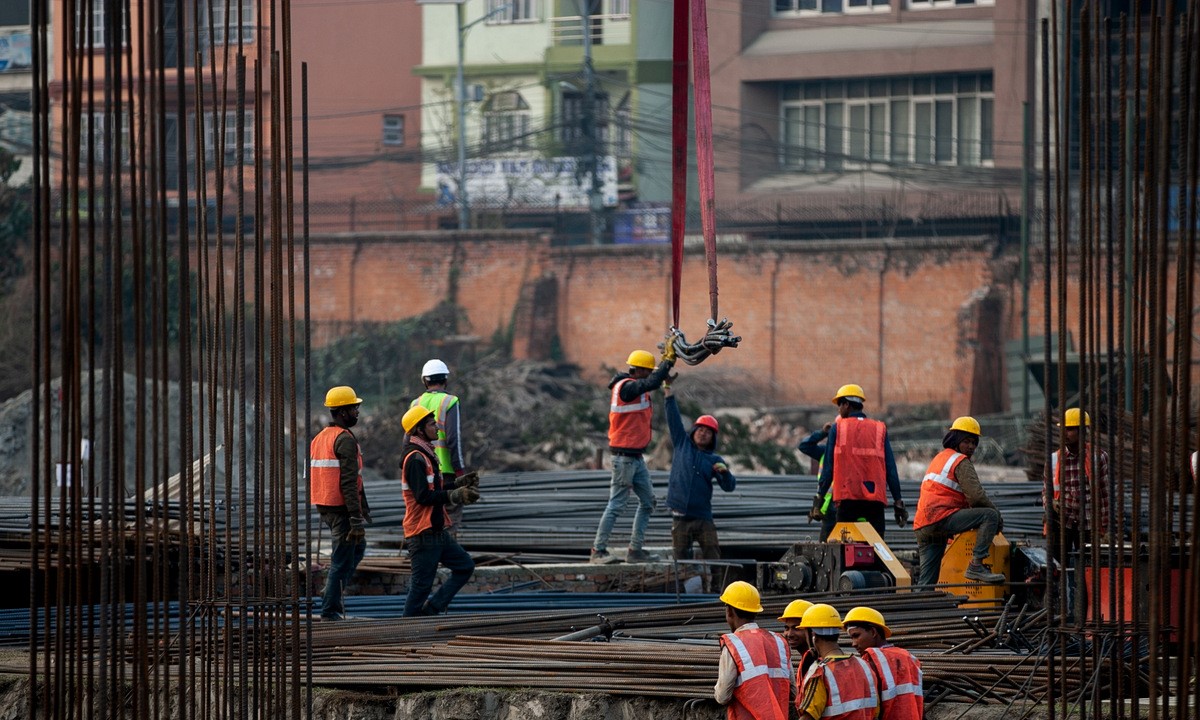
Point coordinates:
[[464, 496], [358, 531], [817, 512], [720, 468], [901, 513], [466, 480]]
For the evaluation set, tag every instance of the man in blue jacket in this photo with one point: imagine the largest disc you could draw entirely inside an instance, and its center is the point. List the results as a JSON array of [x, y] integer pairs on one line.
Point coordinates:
[[695, 464]]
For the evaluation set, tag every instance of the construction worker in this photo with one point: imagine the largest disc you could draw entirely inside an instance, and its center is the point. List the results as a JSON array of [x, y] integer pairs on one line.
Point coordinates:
[[695, 464], [797, 639], [1078, 490], [629, 416], [952, 501], [839, 685], [858, 462], [901, 689], [754, 679], [448, 446], [813, 445], [426, 523], [336, 488]]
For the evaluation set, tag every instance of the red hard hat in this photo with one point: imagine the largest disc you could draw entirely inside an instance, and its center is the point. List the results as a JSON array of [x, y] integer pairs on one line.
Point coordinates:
[[707, 421]]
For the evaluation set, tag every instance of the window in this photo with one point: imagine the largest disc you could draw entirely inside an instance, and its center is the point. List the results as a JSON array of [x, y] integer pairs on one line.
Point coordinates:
[[230, 145], [926, 120], [500, 12], [575, 121], [393, 130], [828, 7], [92, 137], [618, 8], [506, 122], [90, 26], [926, 4], [219, 21]]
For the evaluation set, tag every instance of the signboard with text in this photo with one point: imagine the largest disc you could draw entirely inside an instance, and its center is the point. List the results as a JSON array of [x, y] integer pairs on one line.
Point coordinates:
[[15, 54], [541, 182]]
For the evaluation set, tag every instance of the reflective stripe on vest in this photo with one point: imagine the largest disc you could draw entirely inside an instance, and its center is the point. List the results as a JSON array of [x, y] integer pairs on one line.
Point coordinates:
[[417, 517], [629, 422], [325, 468], [439, 406], [859, 456], [861, 698], [764, 667], [942, 477], [903, 699], [941, 495]]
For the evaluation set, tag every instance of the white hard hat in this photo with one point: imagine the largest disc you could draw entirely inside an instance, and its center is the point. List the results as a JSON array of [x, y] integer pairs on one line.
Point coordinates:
[[434, 367]]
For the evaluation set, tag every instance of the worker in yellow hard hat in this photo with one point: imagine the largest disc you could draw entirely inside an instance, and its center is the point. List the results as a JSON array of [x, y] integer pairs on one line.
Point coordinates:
[[952, 501], [839, 685], [629, 414], [426, 523], [859, 466], [901, 692], [1078, 508], [754, 676], [336, 489], [797, 639]]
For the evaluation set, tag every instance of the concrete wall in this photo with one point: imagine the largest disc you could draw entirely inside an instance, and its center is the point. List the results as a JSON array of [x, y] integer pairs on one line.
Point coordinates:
[[915, 322]]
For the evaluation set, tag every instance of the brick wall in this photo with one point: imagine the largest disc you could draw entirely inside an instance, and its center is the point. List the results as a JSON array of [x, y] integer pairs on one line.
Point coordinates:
[[914, 322]]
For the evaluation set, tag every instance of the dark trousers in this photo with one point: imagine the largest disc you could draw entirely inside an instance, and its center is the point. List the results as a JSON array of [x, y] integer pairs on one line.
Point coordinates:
[[345, 559], [425, 552], [685, 532], [869, 510], [931, 539]]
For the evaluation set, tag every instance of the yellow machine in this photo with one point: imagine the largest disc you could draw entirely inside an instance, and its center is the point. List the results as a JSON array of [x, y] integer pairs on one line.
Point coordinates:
[[958, 557]]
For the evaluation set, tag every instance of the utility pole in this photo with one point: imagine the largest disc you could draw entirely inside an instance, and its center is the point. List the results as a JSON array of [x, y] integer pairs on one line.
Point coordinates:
[[591, 126]]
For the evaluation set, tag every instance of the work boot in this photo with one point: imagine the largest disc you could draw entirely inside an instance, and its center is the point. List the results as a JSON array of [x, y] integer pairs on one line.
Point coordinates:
[[638, 556], [602, 557], [982, 573]]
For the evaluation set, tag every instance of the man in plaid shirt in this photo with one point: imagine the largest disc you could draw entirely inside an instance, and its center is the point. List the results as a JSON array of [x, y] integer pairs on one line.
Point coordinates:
[[1079, 496]]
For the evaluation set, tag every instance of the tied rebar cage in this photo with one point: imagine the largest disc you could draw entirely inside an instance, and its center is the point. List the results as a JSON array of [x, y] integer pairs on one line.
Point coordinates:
[[168, 551], [1120, 129]]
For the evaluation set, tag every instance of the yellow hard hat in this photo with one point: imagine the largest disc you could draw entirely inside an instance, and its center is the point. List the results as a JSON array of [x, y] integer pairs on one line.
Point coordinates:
[[414, 416], [743, 596], [850, 391], [640, 358], [821, 616], [1071, 418], [341, 396], [795, 609], [967, 424], [867, 615]]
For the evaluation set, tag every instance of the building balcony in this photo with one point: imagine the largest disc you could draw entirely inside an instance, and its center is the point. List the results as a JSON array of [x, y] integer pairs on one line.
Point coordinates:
[[568, 30]]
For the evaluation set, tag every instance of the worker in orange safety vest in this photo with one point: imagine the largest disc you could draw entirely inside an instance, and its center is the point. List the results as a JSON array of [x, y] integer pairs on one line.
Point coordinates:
[[335, 487], [754, 678], [858, 464], [953, 501], [797, 639], [839, 686], [901, 690]]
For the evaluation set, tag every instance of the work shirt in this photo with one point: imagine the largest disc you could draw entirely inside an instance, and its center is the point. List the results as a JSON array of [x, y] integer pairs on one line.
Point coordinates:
[[811, 444], [628, 393], [826, 478], [727, 672], [857, 697], [448, 447], [1074, 509], [425, 488], [348, 454], [690, 488]]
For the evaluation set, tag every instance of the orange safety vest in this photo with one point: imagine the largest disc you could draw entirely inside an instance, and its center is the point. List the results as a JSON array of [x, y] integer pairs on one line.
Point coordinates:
[[417, 517], [859, 457], [941, 495], [1056, 469], [852, 693], [901, 683], [629, 422], [325, 469], [764, 664]]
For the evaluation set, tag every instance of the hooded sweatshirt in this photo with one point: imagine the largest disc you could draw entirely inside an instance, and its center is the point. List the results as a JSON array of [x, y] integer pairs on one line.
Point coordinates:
[[690, 489]]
